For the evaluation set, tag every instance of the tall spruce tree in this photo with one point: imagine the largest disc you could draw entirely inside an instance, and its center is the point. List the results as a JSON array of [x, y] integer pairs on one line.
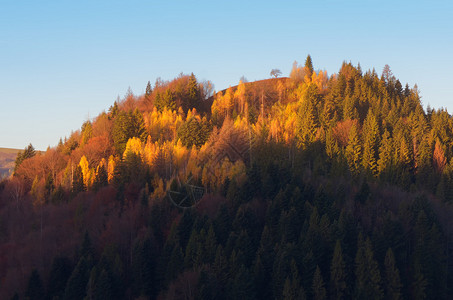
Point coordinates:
[[35, 288], [319, 291], [392, 281], [149, 89], [28, 152], [59, 274], [354, 149], [338, 273], [193, 93], [370, 143], [309, 65], [368, 278], [308, 121]]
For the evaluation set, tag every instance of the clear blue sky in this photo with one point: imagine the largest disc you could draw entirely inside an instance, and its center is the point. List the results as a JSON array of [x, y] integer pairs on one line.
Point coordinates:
[[62, 62]]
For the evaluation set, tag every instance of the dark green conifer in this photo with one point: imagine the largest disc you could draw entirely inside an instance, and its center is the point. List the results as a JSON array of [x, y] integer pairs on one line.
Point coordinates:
[[125, 126], [319, 291], [191, 256], [77, 181], [368, 278], [338, 273], [354, 150], [77, 282], [59, 274], [371, 143], [28, 152], [309, 65], [220, 265], [35, 289], [392, 282], [193, 93], [149, 89], [241, 287], [308, 121]]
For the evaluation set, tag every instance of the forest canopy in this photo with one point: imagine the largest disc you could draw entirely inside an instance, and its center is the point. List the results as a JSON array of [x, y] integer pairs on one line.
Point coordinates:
[[308, 186]]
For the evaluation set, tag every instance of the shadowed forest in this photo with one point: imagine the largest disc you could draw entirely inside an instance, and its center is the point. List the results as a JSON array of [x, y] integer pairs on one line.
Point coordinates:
[[311, 186]]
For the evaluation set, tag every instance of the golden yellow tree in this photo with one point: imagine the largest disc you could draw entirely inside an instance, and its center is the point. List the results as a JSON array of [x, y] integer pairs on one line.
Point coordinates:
[[180, 156], [111, 168], [150, 151], [240, 97], [86, 171], [320, 80], [134, 145]]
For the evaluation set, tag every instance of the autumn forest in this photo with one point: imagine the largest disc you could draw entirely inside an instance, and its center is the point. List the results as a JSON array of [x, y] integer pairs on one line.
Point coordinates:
[[311, 186]]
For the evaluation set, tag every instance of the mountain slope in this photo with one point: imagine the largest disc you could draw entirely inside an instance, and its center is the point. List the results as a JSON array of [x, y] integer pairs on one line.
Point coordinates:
[[301, 187], [7, 158]]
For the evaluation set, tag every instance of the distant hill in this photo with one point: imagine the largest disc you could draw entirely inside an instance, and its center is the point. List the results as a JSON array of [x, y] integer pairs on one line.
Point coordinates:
[[7, 158], [303, 187]]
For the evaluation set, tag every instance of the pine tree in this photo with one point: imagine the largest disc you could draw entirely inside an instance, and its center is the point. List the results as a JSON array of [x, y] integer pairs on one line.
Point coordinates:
[[28, 152], [105, 286], [193, 132], [308, 123], [222, 224], [149, 90], [419, 284], [319, 291], [371, 143], [101, 178], [208, 287], [193, 93], [77, 181], [210, 245], [338, 273], [348, 108], [296, 290], [368, 278], [77, 282], [184, 228], [35, 289], [126, 126], [220, 265], [392, 283], [354, 149], [86, 249], [288, 292], [176, 263], [158, 102], [241, 287], [309, 65], [87, 132], [59, 275], [385, 153], [191, 250], [49, 186], [168, 100]]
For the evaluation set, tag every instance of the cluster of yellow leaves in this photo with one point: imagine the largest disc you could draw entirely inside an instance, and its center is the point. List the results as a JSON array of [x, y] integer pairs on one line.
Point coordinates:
[[240, 98], [111, 168], [321, 79], [215, 173], [86, 171], [90, 173], [166, 158], [223, 104], [282, 123], [163, 125]]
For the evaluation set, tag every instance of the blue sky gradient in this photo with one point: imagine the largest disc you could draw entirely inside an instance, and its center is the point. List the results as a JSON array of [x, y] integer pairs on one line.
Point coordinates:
[[63, 62]]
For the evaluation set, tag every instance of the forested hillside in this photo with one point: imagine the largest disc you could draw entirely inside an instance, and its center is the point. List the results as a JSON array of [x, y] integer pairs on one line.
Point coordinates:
[[304, 187], [7, 157]]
